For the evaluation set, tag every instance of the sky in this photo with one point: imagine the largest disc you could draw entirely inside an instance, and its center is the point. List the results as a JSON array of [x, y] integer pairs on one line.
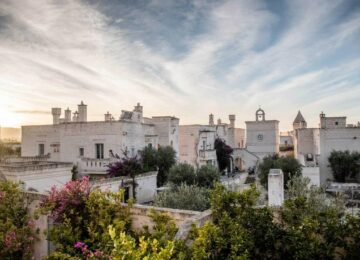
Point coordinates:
[[180, 58]]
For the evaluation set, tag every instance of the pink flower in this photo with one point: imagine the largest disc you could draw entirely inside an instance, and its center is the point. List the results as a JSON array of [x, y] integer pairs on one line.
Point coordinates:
[[79, 244]]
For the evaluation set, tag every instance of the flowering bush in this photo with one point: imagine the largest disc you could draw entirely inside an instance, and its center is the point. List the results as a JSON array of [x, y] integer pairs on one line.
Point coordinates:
[[83, 216], [16, 225]]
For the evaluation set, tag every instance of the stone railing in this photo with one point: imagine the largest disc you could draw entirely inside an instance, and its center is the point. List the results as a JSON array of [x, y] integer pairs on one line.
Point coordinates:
[[32, 166], [94, 165], [16, 159]]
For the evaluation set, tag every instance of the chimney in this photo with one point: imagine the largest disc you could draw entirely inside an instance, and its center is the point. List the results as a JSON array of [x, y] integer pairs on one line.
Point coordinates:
[[56, 113], [76, 116], [211, 119], [138, 108], [232, 121], [67, 115], [108, 117], [219, 121], [82, 108]]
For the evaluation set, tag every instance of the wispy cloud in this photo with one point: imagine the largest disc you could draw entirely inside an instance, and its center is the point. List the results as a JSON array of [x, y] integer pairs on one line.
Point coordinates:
[[183, 58]]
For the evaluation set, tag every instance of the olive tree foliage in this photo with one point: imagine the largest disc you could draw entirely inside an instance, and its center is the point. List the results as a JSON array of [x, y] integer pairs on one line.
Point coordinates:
[[161, 159], [344, 164], [188, 188], [6, 151], [205, 176], [182, 173], [316, 197], [289, 165], [189, 197], [17, 234], [301, 229]]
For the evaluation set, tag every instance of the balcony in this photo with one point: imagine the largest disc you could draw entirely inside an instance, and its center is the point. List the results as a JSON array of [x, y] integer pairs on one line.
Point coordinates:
[[91, 165]]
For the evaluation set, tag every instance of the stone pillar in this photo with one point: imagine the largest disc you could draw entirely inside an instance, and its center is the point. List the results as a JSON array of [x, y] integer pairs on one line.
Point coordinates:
[[211, 119], [56, 113], [67, 115], [232, 121], [276, 187], [82, 110]]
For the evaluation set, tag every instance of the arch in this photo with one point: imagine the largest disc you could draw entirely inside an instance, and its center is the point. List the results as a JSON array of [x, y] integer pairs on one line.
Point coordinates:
[[260, 115]]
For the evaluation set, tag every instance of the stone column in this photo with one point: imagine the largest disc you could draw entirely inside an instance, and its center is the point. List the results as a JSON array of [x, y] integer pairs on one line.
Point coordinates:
[[276, 187]]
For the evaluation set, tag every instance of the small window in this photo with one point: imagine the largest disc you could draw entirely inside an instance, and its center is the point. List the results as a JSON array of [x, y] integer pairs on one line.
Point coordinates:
[[99, 148], [171, 143], [260, 137], [150, 145], [81, 151], [41, 149], [336, 123]]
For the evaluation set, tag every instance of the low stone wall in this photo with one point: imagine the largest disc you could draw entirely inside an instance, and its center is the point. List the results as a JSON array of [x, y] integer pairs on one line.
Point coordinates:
[[140, 215]]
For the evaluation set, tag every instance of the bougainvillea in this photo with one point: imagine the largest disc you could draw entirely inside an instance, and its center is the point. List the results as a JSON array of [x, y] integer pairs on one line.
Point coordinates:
[[83, 215], [16, 225]]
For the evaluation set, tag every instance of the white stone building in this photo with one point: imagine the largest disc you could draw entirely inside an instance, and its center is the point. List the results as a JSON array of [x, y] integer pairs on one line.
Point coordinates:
[[197, 141], [92, 145], [262, 136], [312, 146], [36, 173]]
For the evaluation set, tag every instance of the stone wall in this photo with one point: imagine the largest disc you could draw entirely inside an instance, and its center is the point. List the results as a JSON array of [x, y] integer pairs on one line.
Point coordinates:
[[336, 139], [262, 137]]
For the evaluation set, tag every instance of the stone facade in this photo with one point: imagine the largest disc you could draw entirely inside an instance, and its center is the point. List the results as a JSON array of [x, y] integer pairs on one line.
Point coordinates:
[[37, 175], [145, 186], [79, 140], [262, 136], [314, 145], [197, 141]]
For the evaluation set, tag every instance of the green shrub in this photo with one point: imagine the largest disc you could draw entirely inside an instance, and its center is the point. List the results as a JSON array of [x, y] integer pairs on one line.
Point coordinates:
[[182, 173], [207, 175], [344, 164], [289, 165], [190, 197]]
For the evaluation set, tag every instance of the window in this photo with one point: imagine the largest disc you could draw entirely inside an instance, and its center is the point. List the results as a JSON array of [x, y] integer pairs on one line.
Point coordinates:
[[81, 151], [204, 144], [99, 148], [336, 123], [260, 137], [171, 143], [41, 149]]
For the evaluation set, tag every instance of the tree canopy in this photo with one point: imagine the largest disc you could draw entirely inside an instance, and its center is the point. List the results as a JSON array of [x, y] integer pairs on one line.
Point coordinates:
[[289, 165], [344, 164]]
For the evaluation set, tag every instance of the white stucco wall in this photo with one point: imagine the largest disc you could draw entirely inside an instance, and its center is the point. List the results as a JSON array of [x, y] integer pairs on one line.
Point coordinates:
[[41, 179], [269, 130], [313, 173], [336, 139], [145, 189]]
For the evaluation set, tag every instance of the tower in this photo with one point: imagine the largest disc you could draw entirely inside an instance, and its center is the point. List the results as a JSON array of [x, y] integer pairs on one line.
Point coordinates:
[[260, 115], [299, 121], [232, 121], [67, 115], [138, 108], [211, 119], [82, 109], [56, 113]]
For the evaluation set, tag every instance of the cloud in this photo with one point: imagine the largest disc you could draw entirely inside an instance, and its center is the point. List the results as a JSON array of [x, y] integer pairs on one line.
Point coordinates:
[[37, 112], [183, 58]]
